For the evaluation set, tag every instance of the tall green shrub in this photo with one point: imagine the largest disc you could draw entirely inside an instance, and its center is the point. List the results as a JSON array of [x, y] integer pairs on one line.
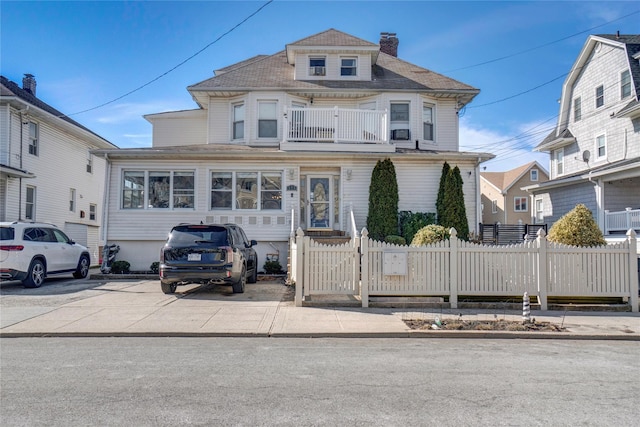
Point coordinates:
[[455, 213], [441, 192], [382, 219], [577, 228]]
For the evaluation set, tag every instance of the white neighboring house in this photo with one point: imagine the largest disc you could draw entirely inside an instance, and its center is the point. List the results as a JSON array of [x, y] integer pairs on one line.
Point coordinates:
[[290, 140], [595, 147], [47, 170]]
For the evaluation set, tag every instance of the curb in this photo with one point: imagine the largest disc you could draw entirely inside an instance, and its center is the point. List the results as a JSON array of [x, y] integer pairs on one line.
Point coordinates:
[[408, 334]]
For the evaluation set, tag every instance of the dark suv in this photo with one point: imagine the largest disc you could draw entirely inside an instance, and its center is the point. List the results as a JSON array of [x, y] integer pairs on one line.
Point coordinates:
[[208, 253]]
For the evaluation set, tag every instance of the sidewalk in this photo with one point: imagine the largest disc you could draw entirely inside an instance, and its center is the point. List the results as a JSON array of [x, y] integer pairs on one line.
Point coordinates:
[[139, 308]]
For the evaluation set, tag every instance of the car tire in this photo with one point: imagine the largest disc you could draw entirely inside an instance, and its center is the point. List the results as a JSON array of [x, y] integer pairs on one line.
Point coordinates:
[[83, 268], [168, 287], [254, 275], [35, 275], [238, 287]]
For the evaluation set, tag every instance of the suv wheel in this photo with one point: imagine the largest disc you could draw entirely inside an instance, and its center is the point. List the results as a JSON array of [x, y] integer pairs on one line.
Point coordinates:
[[168, 288], [238, 287], [83, 268], [35, 275]]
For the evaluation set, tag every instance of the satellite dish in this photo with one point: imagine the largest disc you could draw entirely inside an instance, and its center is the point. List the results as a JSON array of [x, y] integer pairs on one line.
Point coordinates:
[[585, 155]]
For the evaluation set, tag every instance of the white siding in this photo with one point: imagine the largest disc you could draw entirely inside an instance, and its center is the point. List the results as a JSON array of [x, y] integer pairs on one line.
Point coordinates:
[[220, 121], [333, 64], [5, 132], [186, 128]]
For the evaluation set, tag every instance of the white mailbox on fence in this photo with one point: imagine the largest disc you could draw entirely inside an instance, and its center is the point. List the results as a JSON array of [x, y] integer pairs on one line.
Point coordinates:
[[394, 263]]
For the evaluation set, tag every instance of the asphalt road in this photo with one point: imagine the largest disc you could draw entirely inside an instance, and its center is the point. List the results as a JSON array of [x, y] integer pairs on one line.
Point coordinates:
[[309, 382]]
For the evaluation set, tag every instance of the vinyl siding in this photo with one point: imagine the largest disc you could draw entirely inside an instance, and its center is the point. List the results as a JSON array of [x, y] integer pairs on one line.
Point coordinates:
[[188, 128], [558, 201]]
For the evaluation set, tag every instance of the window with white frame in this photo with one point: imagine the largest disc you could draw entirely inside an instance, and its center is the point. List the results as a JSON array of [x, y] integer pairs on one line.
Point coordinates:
[[577, 109], [427, 121], [520, 204], [30, 203], [601, 146], [399, 118], [72, 199], [246, 190], [238, 121], [348, 67], [494, 206], [158, 190], [93, 211], [33, 138], [625, 84], [559, 160], [89, 162], [317, 66], [599, 96], [539, 211], [267, 120], [533, 174]]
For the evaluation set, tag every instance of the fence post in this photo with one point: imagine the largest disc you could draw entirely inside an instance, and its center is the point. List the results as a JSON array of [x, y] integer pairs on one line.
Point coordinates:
[[364, 264], [299, 266], [633, 269], [453, 268], [543, 277], [355, 252]]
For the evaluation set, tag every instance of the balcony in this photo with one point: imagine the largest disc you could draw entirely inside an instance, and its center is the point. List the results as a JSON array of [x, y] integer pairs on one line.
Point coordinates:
[[336, 129], [622, 221]]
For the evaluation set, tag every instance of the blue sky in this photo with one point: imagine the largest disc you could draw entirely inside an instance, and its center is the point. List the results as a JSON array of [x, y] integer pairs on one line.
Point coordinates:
[[87, 54]]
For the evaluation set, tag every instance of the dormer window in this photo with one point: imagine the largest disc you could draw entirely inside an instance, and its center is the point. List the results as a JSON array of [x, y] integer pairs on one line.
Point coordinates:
[[317, 66], [348, 67]]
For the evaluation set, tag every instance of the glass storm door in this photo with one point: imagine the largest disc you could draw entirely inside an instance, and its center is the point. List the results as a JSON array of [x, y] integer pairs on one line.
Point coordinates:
[[320, 201]]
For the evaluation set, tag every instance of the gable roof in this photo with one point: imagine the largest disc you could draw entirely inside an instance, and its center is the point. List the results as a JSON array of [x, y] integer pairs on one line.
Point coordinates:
[[274, 72], [503, 181], [631, 45], [9, 89]]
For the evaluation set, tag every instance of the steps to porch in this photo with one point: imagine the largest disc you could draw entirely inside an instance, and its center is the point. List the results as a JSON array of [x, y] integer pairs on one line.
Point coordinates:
[[328, 237]]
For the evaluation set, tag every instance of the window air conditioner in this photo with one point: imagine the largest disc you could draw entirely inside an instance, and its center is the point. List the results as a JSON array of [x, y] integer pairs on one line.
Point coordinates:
[[400, 134], [317, 71]]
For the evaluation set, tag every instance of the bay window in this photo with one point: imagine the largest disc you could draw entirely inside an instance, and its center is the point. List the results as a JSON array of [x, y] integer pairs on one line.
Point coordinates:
[[267, 120], [238, 121]]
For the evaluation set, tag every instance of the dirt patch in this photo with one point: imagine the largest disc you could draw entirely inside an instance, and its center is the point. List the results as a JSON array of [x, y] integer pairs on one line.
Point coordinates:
[[483, 325]]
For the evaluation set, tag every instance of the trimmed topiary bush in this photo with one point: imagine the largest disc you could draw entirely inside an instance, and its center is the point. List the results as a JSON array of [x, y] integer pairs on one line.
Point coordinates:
[[120, 267], [441, 191], [430, 234], [155, 267], [411, 222], [382, 219], [577, 228], [272, 267], [395, 240]]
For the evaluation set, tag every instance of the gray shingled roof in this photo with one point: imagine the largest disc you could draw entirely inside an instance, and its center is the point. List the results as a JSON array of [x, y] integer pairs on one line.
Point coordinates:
[[332, 37], [389, 73], [9, 88]]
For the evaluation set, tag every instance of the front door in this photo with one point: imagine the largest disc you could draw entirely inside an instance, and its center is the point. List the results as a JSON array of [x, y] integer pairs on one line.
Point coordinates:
[[320, 201]]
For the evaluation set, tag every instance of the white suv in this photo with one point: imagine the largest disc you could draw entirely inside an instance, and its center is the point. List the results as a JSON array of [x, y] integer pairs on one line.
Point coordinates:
[[29, 251]]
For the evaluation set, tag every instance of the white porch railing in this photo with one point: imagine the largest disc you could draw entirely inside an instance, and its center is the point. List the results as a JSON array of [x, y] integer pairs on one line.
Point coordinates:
[[336, 125], [622, 220]]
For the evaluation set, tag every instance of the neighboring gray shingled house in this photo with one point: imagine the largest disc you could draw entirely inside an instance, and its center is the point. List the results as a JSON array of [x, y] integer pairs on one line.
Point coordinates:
[[47, 171], [595, 147], [290, 140]]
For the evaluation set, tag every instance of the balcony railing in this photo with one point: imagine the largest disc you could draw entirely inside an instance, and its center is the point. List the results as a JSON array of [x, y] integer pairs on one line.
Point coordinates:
[[336, 125], [622, 220]]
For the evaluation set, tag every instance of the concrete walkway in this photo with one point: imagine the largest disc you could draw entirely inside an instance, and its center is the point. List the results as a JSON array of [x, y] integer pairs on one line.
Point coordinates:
[[139, 308]]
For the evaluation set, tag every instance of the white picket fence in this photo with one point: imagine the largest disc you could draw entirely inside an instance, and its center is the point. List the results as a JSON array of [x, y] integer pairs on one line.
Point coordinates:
[[454, 268]]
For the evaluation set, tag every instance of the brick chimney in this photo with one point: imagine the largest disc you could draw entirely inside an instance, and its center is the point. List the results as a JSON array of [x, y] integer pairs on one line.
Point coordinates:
[[29, 84], [389, 44]]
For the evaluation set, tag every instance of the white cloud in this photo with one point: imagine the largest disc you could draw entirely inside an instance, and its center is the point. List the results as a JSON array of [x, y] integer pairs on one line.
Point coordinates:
[[510, 152]]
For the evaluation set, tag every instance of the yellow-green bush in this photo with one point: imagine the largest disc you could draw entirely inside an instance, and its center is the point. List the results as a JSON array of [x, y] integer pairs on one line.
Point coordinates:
[[577, 228], [430, 234]]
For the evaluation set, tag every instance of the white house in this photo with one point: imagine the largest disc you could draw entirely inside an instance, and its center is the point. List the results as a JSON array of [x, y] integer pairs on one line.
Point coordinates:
[[47, 170], [290, 140], [595, 147]]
